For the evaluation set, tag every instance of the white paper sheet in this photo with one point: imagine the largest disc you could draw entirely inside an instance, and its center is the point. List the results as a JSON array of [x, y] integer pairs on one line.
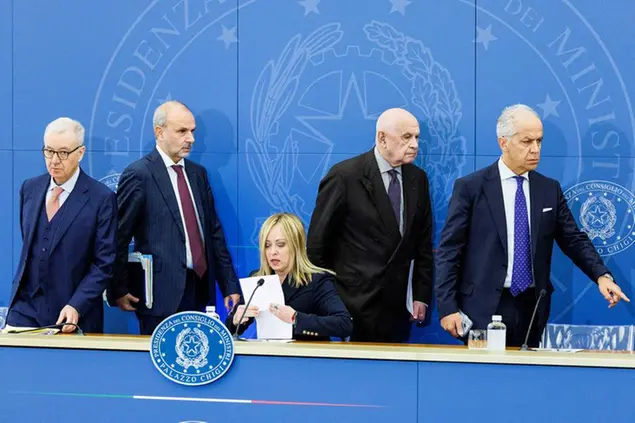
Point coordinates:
[[268, 326], [409, 299]]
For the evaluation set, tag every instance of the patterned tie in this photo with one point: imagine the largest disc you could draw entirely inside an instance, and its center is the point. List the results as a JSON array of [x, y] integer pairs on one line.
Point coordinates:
[[53, 204], [394, 193], [521, 273], [191, 224]]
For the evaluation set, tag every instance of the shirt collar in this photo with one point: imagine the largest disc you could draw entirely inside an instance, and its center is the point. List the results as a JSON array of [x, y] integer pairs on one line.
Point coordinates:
[[383, 164], [67, 186], [167, 160], [506, 172]]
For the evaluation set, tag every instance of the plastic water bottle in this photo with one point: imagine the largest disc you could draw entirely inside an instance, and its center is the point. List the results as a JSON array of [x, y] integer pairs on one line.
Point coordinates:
[[496, 334], [211, 312]]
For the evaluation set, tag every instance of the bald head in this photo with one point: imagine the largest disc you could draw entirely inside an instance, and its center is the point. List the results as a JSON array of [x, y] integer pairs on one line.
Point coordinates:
[[397, 136], [174, 126]]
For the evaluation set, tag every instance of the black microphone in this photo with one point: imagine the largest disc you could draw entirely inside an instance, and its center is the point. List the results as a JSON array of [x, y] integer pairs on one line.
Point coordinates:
[[260, 283], [531, 322], [60, 326]]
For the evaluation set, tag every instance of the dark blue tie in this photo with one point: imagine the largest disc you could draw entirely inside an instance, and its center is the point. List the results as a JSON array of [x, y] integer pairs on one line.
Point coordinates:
[[394, 193], [521, 273]]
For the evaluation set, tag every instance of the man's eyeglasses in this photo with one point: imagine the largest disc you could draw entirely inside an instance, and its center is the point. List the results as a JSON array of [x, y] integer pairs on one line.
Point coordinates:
[[62, 154]]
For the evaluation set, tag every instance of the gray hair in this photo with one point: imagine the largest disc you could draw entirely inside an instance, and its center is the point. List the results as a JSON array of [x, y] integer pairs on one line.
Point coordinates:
[[161, 113], [65, 125], [506, 123]]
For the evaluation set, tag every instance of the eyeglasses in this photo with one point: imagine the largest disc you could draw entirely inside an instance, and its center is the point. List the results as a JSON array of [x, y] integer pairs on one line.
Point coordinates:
[[62, 154]]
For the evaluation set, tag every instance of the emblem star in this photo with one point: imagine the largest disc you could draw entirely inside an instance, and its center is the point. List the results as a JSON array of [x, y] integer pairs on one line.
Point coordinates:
[[310, 6], [485, 36], [598, 215], [399, 6], [228, 36], [549, 107]]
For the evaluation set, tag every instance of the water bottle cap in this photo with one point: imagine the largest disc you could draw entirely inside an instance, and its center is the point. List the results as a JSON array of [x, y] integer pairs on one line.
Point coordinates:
[[210, 308], [497, 318]]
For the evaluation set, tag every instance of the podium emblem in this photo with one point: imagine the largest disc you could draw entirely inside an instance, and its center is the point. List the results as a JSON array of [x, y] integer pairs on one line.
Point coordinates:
[[192, 348]]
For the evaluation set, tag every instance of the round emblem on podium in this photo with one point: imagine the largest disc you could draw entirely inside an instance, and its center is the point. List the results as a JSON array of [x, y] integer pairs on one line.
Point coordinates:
[[192, 348]]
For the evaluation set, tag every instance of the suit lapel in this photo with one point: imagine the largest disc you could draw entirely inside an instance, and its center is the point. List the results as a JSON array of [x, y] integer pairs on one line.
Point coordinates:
[[494, 194], [536, 211], [37, 196], [72, 206], [410, 196], [161, 177], [377, 192], [192, 176]]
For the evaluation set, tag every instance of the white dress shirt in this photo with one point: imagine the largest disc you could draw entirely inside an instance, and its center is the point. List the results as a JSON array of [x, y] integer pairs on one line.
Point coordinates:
[[384, 167], [67, 187], [510, 186], [174, 179]]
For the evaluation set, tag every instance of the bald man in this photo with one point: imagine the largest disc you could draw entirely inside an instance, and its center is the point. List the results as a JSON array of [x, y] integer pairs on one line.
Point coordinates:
[[372, 218], [494, 255], [166, 204]]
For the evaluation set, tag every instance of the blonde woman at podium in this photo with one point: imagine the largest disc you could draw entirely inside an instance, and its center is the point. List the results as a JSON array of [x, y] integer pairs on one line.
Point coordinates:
[[312, 305]]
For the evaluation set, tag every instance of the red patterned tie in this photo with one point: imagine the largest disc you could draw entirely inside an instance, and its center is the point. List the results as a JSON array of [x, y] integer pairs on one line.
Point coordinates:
[[191, 224]]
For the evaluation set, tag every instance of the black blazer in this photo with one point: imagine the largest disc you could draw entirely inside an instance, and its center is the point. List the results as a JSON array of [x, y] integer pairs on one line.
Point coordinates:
[[149, 212], [354, 232], [321, 312], [472, 254]]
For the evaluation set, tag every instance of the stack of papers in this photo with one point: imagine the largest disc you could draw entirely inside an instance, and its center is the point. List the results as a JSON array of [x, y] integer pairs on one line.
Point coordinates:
[[146, 263], [268, 326]]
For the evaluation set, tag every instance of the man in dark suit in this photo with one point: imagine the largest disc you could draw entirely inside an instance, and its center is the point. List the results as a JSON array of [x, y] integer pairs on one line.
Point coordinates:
[[494, 256], [68, 225], [165, 202], [371, 220]]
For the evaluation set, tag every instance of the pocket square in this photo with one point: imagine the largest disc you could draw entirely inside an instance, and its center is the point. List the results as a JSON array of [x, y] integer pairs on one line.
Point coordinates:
[[547, 209]]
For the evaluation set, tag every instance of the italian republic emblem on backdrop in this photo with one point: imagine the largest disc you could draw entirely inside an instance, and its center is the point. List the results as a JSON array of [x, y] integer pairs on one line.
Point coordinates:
[[192, 348]]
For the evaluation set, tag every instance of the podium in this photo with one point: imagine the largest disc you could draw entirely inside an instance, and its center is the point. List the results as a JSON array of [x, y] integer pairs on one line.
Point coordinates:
[[71, 378]]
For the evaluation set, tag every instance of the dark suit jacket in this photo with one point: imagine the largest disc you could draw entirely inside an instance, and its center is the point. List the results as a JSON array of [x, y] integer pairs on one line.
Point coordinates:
[[82, 253], [472, 254], [149, 212], [354, 232], [321, 312]]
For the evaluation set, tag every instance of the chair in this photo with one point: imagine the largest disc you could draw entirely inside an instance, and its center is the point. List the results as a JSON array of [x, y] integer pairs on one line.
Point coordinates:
[[588, 337]]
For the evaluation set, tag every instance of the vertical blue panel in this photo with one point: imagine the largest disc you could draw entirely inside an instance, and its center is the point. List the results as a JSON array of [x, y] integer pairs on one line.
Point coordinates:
[[6, 229], [6, 73], [547, 55], [525, 394]]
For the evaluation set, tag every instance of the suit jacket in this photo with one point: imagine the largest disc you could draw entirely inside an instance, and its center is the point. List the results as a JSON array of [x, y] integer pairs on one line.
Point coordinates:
[[321, 312], [149, 212], [82, 252], [472, 254], [354, 232]]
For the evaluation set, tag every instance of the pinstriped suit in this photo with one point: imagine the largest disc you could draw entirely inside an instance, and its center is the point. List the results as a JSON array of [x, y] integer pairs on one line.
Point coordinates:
[[148, 211]]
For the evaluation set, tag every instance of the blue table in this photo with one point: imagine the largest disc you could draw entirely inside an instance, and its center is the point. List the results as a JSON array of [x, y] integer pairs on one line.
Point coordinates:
[[112, 379]]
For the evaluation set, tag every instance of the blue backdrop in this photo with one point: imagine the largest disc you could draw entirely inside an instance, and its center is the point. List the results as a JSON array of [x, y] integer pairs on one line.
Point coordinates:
[[284, 89]]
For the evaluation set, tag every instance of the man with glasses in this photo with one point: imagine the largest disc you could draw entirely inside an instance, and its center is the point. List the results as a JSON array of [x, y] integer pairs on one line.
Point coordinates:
[[68, 225]]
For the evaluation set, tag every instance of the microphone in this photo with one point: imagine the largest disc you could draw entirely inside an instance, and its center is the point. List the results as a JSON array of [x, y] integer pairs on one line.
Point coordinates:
[[60, 326], [260, 283], [543, 292]]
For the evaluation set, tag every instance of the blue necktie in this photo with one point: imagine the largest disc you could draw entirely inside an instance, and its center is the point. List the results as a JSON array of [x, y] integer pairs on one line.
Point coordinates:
[[394, 194], [521, 273]]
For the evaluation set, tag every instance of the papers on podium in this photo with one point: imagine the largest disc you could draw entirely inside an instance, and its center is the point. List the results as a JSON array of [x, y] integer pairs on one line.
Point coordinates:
[[268, 326]]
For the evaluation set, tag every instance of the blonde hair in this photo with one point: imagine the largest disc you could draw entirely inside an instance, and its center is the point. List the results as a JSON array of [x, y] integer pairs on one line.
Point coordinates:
[[301, 267]]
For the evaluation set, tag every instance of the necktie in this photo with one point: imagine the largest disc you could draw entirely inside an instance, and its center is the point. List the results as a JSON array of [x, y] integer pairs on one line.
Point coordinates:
[[53, 204], [521, 273], [394, 193], [191, 224]]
